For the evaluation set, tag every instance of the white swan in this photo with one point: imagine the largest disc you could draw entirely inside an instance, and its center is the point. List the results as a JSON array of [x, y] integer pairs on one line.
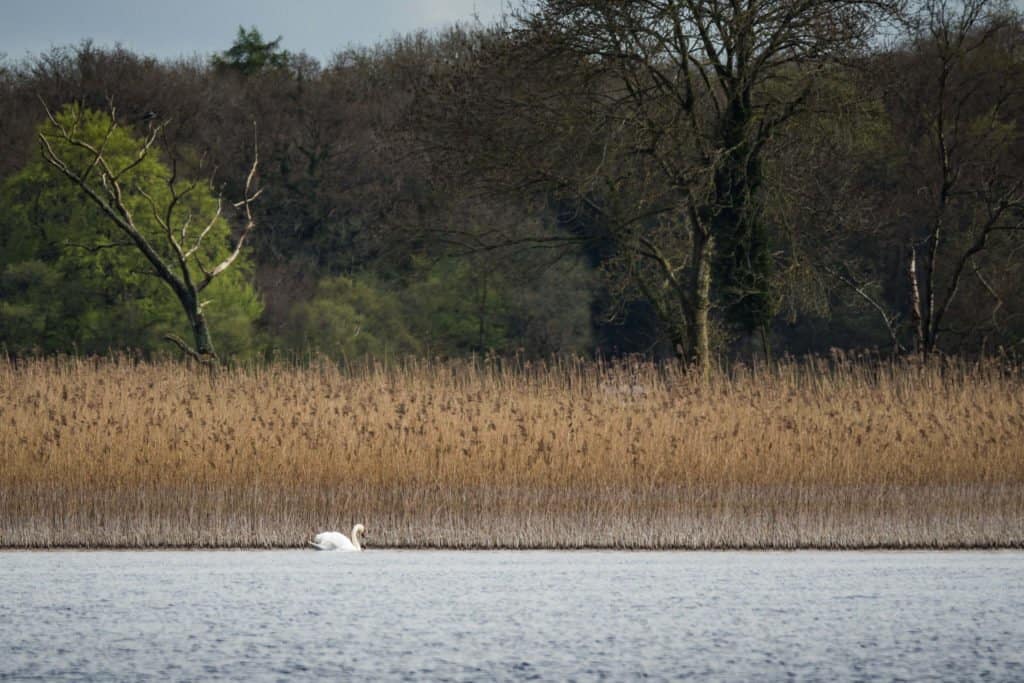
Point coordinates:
[[335, 540]]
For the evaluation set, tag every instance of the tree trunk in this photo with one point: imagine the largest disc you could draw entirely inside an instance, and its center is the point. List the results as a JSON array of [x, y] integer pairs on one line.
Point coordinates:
[[701, 284], [203, 350], [766, 345], [742, 255], [916, 318], [201, 334]]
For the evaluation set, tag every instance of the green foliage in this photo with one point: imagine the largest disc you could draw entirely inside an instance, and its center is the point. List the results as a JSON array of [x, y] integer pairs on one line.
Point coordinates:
[[250, 54], [450, 307], [456, 308], [349, 318], [551, 311], [28, 299], [69, 279]]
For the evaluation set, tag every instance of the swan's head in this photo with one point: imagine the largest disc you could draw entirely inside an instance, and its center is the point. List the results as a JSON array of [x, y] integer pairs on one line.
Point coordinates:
[[359, 529]]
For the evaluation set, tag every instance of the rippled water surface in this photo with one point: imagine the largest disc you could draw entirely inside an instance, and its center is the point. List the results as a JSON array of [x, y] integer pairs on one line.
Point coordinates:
[[425, 615]]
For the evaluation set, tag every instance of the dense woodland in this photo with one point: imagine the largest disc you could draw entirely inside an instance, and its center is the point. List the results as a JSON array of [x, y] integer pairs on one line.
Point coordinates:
[[666, 177]]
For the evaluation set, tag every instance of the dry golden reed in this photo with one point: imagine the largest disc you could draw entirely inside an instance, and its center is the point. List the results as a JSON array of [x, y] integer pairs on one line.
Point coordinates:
[[117, 453]]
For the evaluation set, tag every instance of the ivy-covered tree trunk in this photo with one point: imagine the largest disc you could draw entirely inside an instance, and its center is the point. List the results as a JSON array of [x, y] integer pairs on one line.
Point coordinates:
[[744, 263]]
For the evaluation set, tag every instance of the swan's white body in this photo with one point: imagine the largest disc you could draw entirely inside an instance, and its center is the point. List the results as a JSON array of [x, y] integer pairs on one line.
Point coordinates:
[[335, 540]]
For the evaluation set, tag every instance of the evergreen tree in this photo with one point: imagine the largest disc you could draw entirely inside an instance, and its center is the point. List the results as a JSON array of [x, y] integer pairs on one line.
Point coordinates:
[[250, 54]]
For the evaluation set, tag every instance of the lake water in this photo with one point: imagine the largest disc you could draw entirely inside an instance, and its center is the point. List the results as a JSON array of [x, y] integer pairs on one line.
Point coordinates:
[[428, 615]]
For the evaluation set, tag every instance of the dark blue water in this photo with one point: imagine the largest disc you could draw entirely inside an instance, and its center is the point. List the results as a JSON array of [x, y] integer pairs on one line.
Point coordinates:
[[394, 615]]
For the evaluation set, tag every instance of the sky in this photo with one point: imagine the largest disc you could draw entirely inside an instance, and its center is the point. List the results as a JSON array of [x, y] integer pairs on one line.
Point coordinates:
[[176, 28]]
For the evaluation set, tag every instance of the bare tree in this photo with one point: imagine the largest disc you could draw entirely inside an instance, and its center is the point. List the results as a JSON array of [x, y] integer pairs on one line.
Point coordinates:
[[178, 260], [911, 200], [959, 102]]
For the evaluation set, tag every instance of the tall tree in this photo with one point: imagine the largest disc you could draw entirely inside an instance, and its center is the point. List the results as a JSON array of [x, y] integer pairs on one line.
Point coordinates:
[[152, 208], [658, 115]]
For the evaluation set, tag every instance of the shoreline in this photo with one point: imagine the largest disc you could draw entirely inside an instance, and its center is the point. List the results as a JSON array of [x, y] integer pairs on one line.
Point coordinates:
[[1019, 547]]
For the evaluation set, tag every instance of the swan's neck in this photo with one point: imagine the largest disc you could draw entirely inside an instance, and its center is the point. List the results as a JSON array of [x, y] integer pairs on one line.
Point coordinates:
[[355, 538]]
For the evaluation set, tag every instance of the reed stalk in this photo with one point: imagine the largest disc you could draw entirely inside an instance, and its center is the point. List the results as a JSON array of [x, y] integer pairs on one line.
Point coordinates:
[[120, 453]]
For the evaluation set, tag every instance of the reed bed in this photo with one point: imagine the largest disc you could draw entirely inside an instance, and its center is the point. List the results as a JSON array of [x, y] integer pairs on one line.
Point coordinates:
[[120, 453]]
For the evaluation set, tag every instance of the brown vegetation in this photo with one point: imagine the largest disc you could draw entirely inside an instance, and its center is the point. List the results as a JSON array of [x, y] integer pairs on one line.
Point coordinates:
[[114, 453]]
